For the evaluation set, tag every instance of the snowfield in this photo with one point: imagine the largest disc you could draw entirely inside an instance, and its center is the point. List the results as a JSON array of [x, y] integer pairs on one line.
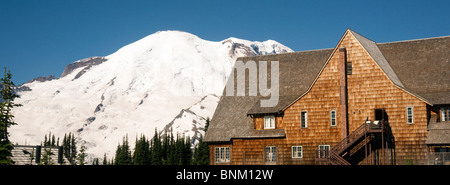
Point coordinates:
[[167, 80]]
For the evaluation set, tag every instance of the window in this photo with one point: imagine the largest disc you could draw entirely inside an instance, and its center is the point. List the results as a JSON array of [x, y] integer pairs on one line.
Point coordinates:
[[297, 152], [222, 154], [323, 151], [304, 119], [349, 68], [271, 154], [269, 122], [409, 115], [333, 118], [445, 114], [441, 149]]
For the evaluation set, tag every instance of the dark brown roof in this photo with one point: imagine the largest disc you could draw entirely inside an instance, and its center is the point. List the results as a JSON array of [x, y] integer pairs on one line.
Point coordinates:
[[420, 67]]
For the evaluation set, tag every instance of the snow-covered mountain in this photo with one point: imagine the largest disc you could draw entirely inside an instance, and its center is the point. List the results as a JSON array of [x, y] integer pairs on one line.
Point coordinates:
[[170, 79]]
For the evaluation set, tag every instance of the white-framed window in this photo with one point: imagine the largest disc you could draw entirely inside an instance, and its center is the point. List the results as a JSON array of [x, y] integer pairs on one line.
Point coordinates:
[[445, 114], [333, 118], [409, 115], [269, 122], [271, 153], [297, 152], [323, 151], [222, 154], [304, 119]]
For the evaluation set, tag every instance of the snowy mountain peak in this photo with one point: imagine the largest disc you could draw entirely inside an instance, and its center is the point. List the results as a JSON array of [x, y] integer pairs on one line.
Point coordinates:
[[169, 79], [240, 47]]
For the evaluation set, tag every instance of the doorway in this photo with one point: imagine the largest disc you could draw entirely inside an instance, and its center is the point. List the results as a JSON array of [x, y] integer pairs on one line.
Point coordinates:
[[380, 114]]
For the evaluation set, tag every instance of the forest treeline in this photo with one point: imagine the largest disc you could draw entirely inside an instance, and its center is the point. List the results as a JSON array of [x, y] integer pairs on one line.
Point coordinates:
[[161, 149]]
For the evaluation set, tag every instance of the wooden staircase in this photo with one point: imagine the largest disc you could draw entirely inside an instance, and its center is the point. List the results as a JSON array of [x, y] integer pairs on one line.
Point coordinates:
[[351, 144]]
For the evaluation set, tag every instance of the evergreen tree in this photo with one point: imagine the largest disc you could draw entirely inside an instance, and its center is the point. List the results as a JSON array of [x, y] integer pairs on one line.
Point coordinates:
[[118, 152], [7, 97], [141, 154], [96, 161], [105, 161], [196, 156], [47, 157], [65, 146], [69, 148], [207, 124], [165, 150], [187, 152], [81, 158], [45, 140], [127, 153], [170, 153], [73, 150], [53, 141], [49, 142], [157, 152], [201, 151], [123, 154]]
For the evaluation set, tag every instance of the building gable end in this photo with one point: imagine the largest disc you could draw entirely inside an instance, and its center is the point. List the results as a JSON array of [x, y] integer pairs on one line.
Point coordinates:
[[373, 51]]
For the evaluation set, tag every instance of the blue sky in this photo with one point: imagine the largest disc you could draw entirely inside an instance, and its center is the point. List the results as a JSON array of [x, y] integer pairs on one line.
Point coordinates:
[[39, 38]]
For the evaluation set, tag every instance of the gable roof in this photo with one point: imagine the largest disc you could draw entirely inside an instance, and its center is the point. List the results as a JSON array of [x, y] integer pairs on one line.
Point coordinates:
[[419, 67], [373, 50], [423, 66], [297, 71]]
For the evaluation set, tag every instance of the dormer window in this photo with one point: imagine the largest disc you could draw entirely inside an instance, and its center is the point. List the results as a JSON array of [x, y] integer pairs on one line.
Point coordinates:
[[269, 122]]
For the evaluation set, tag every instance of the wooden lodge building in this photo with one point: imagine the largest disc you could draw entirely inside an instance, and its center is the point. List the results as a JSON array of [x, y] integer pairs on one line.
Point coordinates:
[[360, 102]]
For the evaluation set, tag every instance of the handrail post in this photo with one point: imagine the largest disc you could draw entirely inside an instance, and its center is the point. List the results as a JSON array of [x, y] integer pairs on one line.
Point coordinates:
[[382, 142], [365, 140]]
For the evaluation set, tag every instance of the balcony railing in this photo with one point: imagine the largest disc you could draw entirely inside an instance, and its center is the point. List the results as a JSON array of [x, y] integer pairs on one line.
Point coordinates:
[[439, 158]]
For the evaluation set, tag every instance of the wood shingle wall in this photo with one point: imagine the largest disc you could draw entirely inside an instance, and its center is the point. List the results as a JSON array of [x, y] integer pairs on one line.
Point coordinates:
[[372, 84]]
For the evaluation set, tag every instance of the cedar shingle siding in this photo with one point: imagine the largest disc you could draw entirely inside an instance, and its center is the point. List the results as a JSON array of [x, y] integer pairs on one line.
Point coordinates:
[[387, 76]]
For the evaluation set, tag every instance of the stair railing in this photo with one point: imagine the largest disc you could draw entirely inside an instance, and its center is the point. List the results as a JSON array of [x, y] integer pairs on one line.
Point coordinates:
[[355, 135]]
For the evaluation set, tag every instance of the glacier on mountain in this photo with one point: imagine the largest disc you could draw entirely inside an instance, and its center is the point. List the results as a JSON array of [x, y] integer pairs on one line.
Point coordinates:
[[167, 80]]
